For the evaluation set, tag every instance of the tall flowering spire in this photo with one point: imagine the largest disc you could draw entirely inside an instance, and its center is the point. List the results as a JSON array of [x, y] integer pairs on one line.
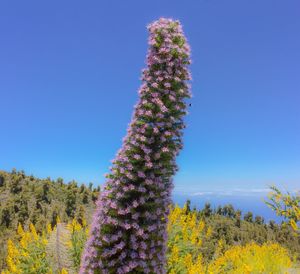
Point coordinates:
[[128, 232]]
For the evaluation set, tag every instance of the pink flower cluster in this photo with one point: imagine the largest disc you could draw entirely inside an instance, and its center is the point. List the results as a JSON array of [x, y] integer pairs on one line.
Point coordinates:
[[128, 232]]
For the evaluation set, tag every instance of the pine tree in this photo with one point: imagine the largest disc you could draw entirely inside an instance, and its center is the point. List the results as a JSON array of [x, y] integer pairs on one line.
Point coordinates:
[[128, 233]]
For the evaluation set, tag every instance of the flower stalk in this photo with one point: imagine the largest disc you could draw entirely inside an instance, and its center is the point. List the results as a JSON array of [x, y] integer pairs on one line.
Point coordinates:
[[129, 228]]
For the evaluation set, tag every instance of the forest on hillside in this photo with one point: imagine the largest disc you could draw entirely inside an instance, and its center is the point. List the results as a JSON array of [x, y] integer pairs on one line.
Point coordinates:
[[32, 210], [27, 199], [71, 70]]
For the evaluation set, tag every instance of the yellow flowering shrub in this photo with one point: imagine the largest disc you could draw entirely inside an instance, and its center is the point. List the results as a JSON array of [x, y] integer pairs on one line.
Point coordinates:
[[78, 236], [28, 255], [188, 238], [64, 271], [185, 248], [186, 234], [286, 205], [252, 258], [31, 253]]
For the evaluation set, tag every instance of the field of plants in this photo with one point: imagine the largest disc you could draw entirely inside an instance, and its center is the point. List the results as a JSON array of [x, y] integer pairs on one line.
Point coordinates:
[[132, 225], [58, 249]]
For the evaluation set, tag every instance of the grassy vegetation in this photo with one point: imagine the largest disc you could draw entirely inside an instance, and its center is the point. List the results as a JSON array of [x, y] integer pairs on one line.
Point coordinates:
[[199, 240], [26, 199], [58, 250]]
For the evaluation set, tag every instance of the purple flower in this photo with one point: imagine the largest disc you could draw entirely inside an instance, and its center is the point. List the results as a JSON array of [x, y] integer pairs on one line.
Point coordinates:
[[136, 156], [135, 204], [127, 226], [149, 164], [165, 149], [141, 174], [154, 85], [140, 182]]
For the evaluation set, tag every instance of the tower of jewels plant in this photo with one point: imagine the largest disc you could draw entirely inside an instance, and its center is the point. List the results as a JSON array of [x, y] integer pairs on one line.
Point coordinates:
[[128, 232]]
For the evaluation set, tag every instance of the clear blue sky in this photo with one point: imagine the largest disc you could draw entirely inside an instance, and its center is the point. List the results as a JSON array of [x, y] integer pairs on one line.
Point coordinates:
[[69, 74]]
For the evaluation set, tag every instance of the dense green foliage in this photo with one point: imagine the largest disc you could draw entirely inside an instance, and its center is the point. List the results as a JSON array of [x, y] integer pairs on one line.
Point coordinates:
[[59, 250], [26, 199], [227, 225], [286, 205], [195, 248]]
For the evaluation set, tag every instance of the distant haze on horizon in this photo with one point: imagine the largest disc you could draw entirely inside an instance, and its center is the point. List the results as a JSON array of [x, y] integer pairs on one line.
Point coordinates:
[[69, 75]]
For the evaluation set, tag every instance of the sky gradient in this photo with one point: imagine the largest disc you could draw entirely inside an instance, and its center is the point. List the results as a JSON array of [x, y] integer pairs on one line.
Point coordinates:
[[70, 70]]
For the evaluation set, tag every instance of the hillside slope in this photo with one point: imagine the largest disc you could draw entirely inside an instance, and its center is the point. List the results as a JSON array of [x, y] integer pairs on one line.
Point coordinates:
[[27, 199]]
